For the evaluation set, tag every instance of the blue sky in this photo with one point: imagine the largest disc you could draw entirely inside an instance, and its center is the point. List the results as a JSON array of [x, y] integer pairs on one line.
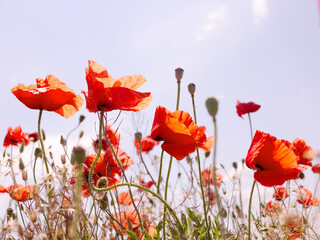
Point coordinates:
[[252, 50]]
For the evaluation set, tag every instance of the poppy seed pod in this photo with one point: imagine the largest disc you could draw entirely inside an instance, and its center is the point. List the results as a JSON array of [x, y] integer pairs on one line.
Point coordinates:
[[138, 136], [179, 74], [78, 155], [102, 182], [212, 106], [192, 88]]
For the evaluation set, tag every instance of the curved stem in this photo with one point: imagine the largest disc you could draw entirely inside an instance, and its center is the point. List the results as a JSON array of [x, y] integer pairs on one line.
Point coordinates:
[[147, 190], [249, 210], [160, 172]]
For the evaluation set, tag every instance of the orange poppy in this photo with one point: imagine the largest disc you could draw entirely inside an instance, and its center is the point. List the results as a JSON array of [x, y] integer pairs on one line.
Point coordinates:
[[316, 168], [114, 94], [272, 207], [50, 94], [147, 144], [304, 196], [274, 160], [113, 137], [304, 152], [15, 137], [18, 192], [208, 145], [280, 193], [125, 199], [207, 177], [294, 225], [244, 108], [180, 134]]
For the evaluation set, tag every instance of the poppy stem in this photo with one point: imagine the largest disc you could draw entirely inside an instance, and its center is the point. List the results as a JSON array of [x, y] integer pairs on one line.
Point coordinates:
[[178, 96], [199, 167], [144, 164], [249, 210], [250, 123], [147, 190], [214, 166], [41, 142], [160, 172]]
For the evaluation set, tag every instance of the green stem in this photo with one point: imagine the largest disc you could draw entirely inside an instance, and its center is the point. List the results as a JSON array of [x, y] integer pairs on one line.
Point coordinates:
[[144, 164], [199, 167], [160, 172], [147, 190], [178, 95], [41, 142], [249, 210]]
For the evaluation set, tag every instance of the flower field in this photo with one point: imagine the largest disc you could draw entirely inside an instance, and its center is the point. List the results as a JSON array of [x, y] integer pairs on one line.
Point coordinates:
[[176, 187]]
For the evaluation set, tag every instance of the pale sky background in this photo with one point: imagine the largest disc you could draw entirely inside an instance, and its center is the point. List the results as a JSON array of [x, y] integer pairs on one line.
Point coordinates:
[[252, 50]]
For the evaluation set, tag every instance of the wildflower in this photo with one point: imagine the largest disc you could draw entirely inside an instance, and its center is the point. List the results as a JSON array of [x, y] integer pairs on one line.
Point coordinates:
[[146, 184], [180, 134], [207, 177], [208, 145], [272, 207], [305, 152], [125, 199], [18, 192], [243, 108], [304, 196], [113, 94], [316, 168], [50, 94], [274, 160], [15, 137], [294, 226], [147, 144], [280, 193]]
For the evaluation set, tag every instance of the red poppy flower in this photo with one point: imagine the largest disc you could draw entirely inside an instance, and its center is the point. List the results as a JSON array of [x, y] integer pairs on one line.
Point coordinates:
[[147, 144], [146, 184], [113, 137], [208, 145], [18, 192], [180, 134], [243, 108], [294, 225], [33, 137], [50, 94], [280, 193], [15, 137], [316, 168], [125, 199], [113, 94], [304, 196], [272, 207], [305, 152], [274, 160], [207, 177]]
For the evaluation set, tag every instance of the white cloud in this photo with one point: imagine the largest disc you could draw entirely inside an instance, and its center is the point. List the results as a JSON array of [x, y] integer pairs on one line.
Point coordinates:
[[260, 10], [213, 21]]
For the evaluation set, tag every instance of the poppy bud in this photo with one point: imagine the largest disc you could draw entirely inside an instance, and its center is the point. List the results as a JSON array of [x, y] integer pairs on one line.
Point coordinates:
[[212, 106], [63, 159], [207, 154], [24, 175], [9, 212], [81, 118], [36, 189], [33, 216], [21, 164], [235, 165], [102, 182], [104, 202], [81, 134], [78, 155], [192, 88], [179, 74], [138, 136]]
